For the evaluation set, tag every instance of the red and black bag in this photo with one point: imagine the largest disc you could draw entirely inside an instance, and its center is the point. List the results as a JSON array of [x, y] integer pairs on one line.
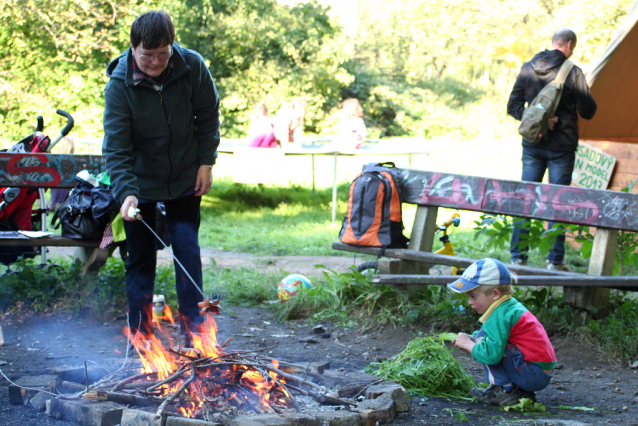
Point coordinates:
[[374, 209]]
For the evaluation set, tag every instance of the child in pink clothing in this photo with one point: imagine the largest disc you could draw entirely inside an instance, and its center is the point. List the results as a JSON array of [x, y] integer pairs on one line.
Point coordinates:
[[261, 133]]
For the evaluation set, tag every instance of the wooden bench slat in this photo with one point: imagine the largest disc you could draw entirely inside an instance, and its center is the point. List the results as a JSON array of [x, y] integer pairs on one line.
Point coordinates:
[[443, 259], [44, 170], [521, 280], [52, 241]]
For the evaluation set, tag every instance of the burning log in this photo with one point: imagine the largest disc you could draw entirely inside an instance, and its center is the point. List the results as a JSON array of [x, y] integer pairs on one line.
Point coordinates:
[[122, 398]]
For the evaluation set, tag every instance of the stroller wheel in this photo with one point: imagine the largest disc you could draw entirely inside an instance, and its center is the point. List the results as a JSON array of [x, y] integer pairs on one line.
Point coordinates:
[[368, 266]]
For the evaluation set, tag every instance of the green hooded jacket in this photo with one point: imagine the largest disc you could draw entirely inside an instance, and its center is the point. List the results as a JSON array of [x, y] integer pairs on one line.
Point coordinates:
[[157, 136]]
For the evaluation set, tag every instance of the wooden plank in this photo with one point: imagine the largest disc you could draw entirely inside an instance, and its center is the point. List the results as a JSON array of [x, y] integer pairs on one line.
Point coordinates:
[[424, 228], [443, 259], [45, 170], [619, 150], [53, 241], [521, 280], [598, 208], [601, 263], [620, 181]]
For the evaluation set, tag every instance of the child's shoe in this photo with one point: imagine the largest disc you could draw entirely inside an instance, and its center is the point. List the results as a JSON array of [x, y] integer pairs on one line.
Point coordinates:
[[496, 395], [558, 267]]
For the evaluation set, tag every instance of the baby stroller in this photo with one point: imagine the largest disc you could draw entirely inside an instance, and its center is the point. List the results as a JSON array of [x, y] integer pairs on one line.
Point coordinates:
[[16, 206]]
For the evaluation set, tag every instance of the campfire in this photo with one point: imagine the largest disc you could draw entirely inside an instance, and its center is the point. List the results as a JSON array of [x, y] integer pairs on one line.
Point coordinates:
[[205, 379]]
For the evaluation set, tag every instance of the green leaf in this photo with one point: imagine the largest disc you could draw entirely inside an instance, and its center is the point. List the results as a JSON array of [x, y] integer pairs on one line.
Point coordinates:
[[448, 336], [525, 404]]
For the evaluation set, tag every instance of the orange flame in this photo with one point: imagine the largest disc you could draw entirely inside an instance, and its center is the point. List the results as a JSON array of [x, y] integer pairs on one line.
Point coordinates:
[[164, 363]]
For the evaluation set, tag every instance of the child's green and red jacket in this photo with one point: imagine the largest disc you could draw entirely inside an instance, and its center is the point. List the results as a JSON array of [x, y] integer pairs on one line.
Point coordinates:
[[508, 321]]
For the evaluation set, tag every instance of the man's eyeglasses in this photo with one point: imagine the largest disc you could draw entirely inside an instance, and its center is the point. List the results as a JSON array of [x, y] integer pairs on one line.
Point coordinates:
[[162, 57]]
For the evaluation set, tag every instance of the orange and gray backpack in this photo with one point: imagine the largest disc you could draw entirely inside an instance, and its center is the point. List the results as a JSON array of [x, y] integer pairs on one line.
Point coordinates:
[[374, 209]]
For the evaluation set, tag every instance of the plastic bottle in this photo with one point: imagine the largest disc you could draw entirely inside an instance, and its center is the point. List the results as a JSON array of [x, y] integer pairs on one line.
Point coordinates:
[[158, 307]]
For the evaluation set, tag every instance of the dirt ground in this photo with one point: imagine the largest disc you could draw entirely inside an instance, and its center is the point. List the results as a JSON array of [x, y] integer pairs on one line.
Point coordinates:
[[33, 344]]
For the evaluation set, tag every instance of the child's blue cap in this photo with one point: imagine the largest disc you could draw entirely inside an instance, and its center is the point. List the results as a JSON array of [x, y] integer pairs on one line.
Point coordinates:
[[484, 272]]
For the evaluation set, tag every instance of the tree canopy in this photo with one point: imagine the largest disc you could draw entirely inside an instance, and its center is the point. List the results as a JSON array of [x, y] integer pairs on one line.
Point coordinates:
[[419, 67]]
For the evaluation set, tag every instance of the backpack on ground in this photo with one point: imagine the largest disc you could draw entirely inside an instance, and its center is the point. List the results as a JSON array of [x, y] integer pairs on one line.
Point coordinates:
[[533, 125], [374, 209]]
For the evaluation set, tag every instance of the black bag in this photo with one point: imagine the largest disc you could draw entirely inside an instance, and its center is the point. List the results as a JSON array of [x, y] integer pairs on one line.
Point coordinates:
[[84, 213]]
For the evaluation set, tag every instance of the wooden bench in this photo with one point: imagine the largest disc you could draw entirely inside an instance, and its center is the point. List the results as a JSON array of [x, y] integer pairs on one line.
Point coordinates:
[[42, 171], [607, 211]]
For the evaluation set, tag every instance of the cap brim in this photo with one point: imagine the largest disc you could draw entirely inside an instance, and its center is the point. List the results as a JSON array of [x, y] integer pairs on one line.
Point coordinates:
[[461, 286]]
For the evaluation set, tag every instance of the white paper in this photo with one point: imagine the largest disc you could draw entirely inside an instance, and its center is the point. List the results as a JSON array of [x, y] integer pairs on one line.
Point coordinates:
[[36, 234]]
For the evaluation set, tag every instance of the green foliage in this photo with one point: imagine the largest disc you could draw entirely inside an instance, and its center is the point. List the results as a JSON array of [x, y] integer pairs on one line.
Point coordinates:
[[525, 405], [259, 50], [54, 56], [274, 220], [617, 334], [62, 288], [427, 368], [242, 286], [350, 299], [415, 65]]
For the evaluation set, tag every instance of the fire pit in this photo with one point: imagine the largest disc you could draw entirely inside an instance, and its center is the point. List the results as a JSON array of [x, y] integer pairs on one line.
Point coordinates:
[[206, 383]]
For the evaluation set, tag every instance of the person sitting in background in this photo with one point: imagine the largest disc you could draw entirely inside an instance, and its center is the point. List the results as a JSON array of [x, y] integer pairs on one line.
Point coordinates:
[[352, 129], [261, 133], [517, 356], [289, 122], [65, 145]]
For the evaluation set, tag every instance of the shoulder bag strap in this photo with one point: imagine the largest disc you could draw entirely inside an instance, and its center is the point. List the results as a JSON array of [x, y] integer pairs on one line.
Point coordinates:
[[564, 71]]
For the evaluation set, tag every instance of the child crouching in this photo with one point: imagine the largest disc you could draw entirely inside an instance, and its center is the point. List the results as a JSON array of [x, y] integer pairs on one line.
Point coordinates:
[[512, 345]]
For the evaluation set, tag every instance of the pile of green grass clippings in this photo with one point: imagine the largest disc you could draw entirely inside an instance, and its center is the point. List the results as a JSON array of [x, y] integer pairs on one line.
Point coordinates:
[[427, 368]]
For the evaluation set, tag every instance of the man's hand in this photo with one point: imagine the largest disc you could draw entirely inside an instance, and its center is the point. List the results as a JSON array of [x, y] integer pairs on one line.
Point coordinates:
[[552, 122], [130, 201], [204, 180], [464, 341]]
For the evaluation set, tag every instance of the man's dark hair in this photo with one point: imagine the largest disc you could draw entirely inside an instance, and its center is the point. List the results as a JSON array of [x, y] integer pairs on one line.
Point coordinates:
[[154, 29], [564, 35]]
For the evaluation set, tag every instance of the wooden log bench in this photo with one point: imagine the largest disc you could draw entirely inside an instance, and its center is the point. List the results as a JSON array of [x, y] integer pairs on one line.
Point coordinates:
[[607, 211], [49, 171]]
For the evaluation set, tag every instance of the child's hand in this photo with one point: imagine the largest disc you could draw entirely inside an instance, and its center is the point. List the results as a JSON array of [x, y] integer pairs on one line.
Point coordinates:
[[464, 341]]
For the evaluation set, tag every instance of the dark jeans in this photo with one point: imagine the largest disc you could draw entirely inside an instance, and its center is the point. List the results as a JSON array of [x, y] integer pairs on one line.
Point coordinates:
[[513, 369], [560, 166], [183, 218]]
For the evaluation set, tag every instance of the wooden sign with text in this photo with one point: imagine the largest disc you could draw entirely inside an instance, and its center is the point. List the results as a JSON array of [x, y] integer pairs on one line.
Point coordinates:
[[568, 204], [45, 170], [593, 167]]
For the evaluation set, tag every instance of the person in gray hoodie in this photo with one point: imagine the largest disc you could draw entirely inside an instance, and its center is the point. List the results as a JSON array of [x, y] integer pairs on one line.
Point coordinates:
[[161, 133], [556, 153]]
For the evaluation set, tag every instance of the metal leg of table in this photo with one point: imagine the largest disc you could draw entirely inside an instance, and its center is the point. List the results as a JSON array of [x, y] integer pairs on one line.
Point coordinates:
[[334, 190], [313, 172]]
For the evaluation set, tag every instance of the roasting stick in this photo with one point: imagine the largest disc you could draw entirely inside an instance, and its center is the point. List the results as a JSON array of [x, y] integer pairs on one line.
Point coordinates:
[[206, 306]]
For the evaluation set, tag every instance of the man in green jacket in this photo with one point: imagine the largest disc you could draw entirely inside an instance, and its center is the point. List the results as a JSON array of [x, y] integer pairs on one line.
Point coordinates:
[[161, 132]]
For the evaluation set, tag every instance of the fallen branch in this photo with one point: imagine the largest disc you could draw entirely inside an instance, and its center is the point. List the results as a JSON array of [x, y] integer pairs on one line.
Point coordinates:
[[119, 385], [167, 380]]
